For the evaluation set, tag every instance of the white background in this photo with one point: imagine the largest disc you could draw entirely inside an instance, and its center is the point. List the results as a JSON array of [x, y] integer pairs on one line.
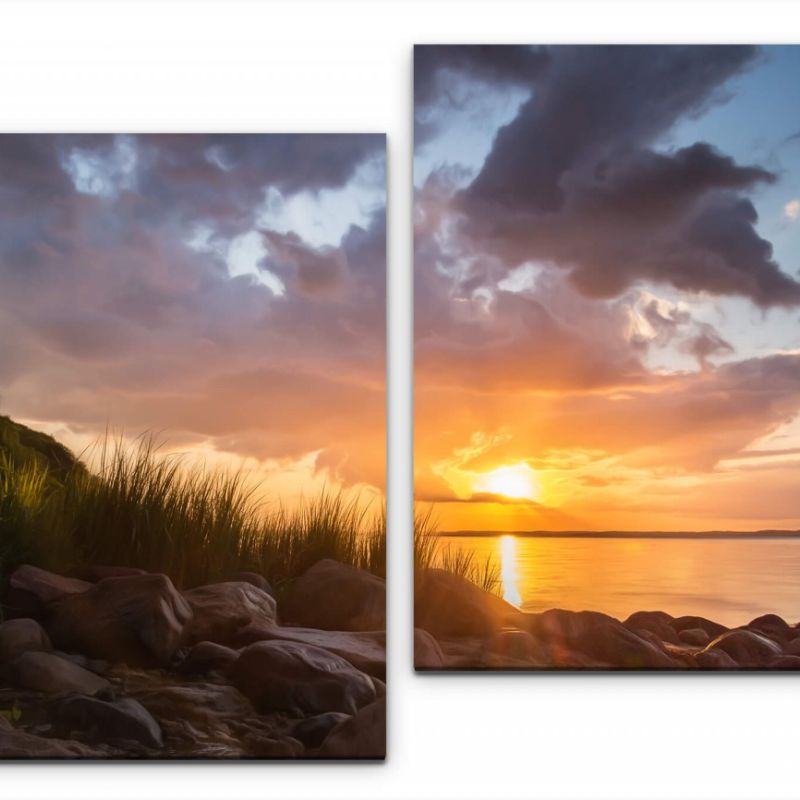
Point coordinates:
[[346, 66]]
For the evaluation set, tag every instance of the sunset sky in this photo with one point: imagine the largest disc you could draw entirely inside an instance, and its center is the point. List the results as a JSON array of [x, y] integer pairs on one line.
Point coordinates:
[[225, 293], [607, 248]]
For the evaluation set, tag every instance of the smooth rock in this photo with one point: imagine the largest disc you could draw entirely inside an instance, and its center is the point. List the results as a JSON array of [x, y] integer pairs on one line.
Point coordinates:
[[47, 672], [772, 626], [447, 605], [713, 659], [138, 620], [336, 597], [220, 610], [784, 663], [427, 652], [312, 731], [696, 637], [365, 650], [361, 736], [18, 636], [108, 721], [515, 645], [656, 622], [713, 629], [613, 644], [792, 647], [746, 647], [285, 676], [208, 656], [32, 589]]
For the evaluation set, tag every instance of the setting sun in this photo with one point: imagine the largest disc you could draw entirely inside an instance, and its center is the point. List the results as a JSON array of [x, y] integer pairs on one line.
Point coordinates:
[[515, 481]]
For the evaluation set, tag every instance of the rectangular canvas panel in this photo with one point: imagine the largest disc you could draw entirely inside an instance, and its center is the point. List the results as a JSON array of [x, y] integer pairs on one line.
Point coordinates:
[[192, 536], [607, 360]]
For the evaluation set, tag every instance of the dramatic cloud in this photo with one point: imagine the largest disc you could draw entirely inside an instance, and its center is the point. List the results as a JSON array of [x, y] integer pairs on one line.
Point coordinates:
[[142, 288], [598, 298]]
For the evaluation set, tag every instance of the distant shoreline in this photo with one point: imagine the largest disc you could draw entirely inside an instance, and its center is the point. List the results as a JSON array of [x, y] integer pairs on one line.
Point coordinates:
[[763, 534]]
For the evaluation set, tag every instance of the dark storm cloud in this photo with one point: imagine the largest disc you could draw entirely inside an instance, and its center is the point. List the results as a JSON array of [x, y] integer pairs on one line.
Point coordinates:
[[117, 318], [578, 179]]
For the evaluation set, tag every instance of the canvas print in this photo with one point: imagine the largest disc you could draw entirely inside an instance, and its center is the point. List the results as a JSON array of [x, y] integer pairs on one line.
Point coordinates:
[[607, 357], [192, 527]]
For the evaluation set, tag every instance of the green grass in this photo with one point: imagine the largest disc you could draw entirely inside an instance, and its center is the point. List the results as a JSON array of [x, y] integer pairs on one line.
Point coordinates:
[[143, 509], [429, 551]]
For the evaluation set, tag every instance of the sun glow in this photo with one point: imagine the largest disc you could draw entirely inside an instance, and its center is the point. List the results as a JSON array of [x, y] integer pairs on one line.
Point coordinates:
[[508, 570], [517, 481]]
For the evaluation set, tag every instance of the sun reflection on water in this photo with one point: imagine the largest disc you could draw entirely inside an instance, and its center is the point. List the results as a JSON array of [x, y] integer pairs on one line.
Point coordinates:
[[508, 570]]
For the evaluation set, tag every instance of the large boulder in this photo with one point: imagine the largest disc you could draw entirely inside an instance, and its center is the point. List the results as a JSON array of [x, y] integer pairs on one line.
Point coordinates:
[[220, 610], [32, 589], [746, 648], [361, 736], [336, 597], [107, 721], [287, 676], [656, 622], [612, 644], [206, 657], [427, 651], [695, 637], [138, 620], [791, 663], [253, 578], [18, 636], [47, 672], [713, 659], [365, 650], [447, 605], [772, 626], [713, 629], [312, 731]]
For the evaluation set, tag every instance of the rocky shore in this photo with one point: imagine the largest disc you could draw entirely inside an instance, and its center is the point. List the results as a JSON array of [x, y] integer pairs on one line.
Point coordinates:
[[474, 629], [114, 662]]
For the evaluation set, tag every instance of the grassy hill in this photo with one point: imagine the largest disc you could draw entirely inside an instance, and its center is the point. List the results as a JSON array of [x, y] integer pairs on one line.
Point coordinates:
[[24, 446]]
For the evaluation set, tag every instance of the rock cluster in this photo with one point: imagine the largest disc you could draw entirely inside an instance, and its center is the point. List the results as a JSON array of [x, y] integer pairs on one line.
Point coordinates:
[[116, 662], [473, 629]]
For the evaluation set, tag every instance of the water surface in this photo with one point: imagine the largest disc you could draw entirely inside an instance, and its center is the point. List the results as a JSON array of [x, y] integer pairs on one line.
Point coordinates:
[[730, 580]]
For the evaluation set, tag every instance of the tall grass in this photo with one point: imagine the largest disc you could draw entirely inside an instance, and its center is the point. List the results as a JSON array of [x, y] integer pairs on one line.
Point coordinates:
[[430, 551], [143, 509]]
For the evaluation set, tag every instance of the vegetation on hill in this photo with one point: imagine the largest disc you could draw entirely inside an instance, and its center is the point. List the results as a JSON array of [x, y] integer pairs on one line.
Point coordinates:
[[147, 510]]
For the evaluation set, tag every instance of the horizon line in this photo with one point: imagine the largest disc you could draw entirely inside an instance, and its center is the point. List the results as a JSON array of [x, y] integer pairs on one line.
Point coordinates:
[[766, 533]]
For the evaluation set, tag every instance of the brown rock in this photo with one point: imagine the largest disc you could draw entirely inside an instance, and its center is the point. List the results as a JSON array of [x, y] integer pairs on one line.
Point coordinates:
[[712, 659], [220, 610], [18, 636], [447, 605], [208, 656], [361, 736], [108, 721], [336, 597], [286, 676], [613, 644], [784, 663], [713, 629], [31, 590], [47, 672], [138, 620], [656, 622], [696, 637], [427, 652], [365, 650], [772, 626], [745, 647]]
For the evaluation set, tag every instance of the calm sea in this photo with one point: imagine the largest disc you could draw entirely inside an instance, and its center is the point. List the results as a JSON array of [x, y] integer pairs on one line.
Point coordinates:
[[730, 580]]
